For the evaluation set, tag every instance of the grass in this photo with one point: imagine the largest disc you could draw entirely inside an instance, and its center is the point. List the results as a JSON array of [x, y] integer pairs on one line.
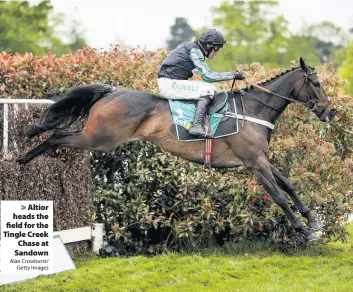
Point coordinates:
[[236, 267]]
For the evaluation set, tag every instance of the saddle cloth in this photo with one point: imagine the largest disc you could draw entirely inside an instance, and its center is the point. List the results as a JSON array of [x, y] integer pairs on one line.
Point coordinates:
[[217, 124]]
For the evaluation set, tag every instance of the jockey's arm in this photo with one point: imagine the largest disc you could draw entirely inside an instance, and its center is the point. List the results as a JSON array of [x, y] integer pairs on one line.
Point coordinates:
[[206, 72]]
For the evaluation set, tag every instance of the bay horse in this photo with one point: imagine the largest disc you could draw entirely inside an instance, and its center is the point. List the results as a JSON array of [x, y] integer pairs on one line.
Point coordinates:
[[118, 116]]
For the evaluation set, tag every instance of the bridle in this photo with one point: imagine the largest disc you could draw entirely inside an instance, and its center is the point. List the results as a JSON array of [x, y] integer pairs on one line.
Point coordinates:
[[310, 104]]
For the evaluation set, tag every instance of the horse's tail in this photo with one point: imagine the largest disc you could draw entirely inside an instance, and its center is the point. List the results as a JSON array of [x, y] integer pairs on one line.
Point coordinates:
[[75, 104]]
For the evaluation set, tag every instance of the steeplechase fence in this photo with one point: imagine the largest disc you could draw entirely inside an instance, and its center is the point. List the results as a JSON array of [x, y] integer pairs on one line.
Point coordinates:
[[95, 231]]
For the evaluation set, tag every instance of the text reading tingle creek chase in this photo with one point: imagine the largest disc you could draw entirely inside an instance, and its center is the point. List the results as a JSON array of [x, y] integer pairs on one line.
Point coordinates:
[[27, 236]]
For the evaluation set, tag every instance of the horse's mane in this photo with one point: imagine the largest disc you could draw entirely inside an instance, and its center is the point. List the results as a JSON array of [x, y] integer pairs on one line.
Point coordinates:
[[271, 79], [278, 75]]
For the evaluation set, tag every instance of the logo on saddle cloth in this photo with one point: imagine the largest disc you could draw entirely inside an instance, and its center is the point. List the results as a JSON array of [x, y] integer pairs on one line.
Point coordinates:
[[178, 121], [220, 121], [183, 114]]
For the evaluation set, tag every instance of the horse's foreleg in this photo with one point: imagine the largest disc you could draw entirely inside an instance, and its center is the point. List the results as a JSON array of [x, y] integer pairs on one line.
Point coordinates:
[[261, 169], [286, 185]]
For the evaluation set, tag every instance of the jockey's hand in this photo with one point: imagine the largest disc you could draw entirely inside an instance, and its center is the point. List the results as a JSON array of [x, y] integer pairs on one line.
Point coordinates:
[[238, 75]]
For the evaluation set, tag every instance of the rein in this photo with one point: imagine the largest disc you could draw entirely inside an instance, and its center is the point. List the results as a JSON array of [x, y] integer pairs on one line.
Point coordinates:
[[310, 104]]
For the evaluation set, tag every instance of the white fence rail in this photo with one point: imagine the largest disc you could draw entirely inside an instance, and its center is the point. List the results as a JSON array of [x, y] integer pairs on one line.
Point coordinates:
[[93, 233]]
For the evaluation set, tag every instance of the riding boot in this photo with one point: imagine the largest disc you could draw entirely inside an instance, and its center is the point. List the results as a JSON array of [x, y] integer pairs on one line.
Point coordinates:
[[197, 128]]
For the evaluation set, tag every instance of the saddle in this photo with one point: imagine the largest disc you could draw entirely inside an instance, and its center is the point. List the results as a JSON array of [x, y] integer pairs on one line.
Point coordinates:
[[220, 121], [218, 102]]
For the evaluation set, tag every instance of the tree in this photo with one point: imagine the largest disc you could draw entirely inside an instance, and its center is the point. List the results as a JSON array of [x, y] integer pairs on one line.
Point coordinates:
[[347, 69], [256, 34], [76, 39], [329, 39], [303, 46], [32, 28], [181, 31], [252, 31]]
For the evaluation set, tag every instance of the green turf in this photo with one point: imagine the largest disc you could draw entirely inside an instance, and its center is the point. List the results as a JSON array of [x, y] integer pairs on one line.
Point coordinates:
[[236, 267]]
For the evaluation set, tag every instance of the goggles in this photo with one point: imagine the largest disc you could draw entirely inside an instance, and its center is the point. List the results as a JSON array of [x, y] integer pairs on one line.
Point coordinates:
[[216, 48]]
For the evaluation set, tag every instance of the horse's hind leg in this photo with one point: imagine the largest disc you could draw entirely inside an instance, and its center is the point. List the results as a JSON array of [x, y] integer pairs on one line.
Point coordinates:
[[59, 139], [286, 185]]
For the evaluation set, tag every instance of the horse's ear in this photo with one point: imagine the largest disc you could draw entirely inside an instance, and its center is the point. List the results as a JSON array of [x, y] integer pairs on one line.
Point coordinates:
[[303, 65]]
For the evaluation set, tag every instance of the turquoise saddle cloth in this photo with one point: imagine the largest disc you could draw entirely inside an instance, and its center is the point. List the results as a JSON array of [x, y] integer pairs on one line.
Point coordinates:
[[183, 114]]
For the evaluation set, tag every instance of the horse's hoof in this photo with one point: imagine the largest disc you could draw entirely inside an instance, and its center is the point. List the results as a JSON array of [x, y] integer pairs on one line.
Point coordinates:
[[313, 237], [314, 226], [319, 233]]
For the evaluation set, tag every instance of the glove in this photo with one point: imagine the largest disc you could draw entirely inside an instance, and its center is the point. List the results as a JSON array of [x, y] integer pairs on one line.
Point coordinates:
[[238, 75]]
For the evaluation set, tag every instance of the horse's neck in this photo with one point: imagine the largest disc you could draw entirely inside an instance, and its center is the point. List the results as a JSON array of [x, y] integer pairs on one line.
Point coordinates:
[[281, 85]]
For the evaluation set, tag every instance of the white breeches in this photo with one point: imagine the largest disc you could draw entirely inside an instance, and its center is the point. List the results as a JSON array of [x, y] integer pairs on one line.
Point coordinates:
[[184, 89]]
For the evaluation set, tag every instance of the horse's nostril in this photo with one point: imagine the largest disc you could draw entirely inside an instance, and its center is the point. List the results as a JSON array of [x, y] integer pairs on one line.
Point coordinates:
[[333, 112]]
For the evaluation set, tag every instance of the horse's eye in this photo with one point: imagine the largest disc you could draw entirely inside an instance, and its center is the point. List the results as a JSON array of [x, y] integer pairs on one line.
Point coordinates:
[[316, 84]]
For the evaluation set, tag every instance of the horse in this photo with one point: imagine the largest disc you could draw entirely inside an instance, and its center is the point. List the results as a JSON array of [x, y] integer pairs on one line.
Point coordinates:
[[118, 116]]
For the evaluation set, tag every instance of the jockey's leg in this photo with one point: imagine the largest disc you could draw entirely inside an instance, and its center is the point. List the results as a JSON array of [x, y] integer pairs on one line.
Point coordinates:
[[198, 128], [190, 89]]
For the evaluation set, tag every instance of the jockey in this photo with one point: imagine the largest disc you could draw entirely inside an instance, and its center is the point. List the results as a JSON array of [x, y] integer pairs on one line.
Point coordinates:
[[179, 66]]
